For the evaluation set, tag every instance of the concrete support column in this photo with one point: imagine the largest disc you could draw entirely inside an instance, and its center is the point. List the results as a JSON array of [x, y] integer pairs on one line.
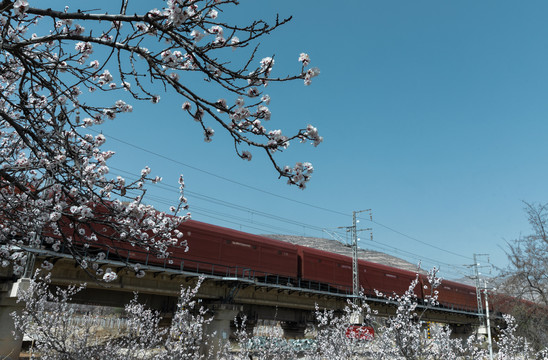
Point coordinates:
[[9, 346], [462, 332], [249, 326], [481, 332], [223, 315], [293, 330]]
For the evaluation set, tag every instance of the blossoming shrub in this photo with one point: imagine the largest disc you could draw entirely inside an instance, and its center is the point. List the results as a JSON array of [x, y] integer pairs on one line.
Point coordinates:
[[49, 317]]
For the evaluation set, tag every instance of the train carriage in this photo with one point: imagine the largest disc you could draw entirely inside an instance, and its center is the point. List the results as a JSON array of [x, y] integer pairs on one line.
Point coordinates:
[[227, 252], [457, 296], [246, 254], [386, 279], [324, 267]]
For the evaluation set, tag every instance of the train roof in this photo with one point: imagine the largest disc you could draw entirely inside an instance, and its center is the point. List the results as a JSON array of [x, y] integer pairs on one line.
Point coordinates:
[[334, 246], [194, 225], [318, 252]]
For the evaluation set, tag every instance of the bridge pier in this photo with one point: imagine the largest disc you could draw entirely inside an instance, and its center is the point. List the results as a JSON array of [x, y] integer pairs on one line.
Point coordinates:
[[9, 346], [249, 326], [460, 331], [223, 315], [293, 329]]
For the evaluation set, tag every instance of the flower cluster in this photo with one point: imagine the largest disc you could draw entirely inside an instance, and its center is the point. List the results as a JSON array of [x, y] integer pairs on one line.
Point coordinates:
[[311, 133], [60, 330], [54, 172], [299, 174], [311, 73], [20, 7]]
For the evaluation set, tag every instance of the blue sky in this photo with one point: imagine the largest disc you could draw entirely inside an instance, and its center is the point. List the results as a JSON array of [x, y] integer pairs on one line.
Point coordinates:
[[433, 113]]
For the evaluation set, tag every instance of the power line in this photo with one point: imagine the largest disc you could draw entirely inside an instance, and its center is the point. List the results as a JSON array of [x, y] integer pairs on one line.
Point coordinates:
[[263, 227], [418, 240], [221, 177], [417, 256], [223, 203], [252, 224], [277, 195]]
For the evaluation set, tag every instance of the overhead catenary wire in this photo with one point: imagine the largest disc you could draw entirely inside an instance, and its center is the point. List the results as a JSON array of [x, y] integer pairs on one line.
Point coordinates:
[[455, 268], [223, 203], [220, 176], [259, 226], [417, 240], [265, 228], [281, 196]]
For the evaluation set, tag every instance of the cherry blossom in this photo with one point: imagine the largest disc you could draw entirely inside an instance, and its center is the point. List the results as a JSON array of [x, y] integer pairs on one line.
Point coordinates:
[[305, 59], [246, 155], [109, 275], [55, 179], [60, 331]]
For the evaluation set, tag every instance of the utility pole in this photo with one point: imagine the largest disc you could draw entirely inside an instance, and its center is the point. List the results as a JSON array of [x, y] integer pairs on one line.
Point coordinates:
[[354, 234], [483, 317], [477, 279], [488, 323]]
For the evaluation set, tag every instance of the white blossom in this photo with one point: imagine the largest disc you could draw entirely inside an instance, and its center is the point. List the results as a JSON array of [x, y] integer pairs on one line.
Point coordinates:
[[59, 173], [109, 275], [246, 155], [305, 59]]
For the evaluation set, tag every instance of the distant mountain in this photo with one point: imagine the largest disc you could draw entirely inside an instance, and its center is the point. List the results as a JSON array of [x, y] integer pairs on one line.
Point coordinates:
[[343, 249], [465, 280]]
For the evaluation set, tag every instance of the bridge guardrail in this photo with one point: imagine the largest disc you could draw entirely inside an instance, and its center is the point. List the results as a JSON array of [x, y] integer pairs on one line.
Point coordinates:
[[236, 272]]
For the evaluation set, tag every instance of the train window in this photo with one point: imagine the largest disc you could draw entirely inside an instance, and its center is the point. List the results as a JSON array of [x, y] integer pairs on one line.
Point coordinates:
[[228, 242], [391, 276], [447, 287], [345, 266], [319, 260]]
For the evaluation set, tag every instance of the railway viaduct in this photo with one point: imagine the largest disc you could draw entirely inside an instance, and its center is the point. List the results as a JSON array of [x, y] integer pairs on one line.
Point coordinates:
[[292, 304]]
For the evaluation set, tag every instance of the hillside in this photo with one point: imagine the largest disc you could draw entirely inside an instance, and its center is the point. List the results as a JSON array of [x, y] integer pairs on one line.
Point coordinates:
[[343, 249]]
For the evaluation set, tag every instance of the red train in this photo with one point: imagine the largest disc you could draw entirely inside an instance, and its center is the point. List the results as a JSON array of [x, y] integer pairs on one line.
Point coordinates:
[[227, 252], [326, 267]]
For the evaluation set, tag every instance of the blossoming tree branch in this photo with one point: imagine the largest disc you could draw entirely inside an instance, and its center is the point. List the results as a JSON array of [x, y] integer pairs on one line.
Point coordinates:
[[54, 178]]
